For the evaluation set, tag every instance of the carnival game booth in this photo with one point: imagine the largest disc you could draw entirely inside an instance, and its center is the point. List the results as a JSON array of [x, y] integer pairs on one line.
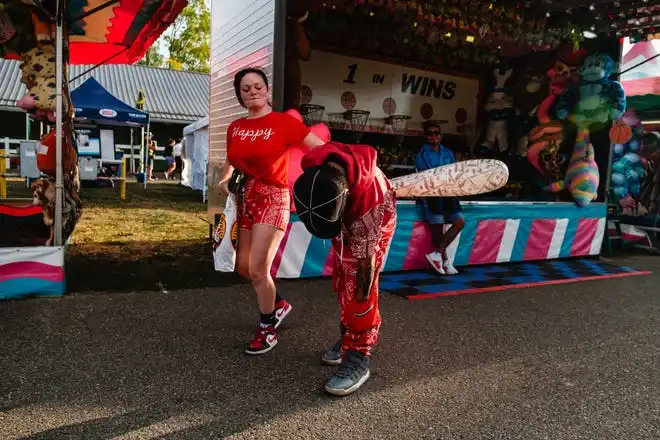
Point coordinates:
[[506, 80], [46, 36]]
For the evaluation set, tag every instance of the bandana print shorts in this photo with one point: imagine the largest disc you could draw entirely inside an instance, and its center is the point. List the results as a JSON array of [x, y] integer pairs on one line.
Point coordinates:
[[264, 205]]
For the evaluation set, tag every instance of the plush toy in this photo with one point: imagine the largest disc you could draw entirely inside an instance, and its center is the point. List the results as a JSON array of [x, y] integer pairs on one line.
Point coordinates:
[[582, 176], [500, 110], [596, 100], [629, 162], [38, 69], [591, 104], [545, 139]]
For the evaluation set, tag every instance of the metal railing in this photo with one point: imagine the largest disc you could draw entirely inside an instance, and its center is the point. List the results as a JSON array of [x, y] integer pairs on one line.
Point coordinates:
[[7, 153]]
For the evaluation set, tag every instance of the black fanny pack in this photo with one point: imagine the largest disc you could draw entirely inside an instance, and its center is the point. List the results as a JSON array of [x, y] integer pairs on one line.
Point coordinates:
[[236, 182]]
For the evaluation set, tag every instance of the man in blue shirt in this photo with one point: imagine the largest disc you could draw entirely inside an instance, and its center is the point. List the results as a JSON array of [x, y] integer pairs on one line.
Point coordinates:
[[439, 211]]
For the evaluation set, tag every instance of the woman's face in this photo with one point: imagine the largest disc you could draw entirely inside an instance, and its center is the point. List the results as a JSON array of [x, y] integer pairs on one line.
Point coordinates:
[[254, 91]]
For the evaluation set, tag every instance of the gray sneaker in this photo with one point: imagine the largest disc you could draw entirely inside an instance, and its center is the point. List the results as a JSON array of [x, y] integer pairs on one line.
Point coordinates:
[[333, 356], [351, 375]]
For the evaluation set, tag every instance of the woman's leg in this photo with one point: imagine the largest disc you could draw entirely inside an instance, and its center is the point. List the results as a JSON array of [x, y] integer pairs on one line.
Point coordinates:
[[243, 252], [179, 167], [264, 244], [171, 167]]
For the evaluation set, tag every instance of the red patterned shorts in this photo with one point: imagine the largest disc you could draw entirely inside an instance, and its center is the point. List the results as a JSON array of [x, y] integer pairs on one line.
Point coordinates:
[[264, 204]]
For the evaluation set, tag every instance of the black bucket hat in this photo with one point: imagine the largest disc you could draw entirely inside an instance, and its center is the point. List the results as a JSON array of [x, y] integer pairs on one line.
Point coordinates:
[[320, 196]]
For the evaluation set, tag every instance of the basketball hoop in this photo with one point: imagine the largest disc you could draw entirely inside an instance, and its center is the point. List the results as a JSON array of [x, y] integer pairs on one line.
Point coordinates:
[[399, 123], [358, 119], [312, 114]]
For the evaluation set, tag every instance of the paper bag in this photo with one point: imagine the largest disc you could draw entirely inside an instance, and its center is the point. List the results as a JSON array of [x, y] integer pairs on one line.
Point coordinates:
[[225, 238]]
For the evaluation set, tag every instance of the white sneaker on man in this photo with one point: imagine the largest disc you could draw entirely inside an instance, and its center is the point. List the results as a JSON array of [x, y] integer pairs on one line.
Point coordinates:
[[450, 269], [435, 260]]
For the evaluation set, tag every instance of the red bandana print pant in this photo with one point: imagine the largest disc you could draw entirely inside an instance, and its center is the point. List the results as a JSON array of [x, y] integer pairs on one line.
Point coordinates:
[[361, 319]]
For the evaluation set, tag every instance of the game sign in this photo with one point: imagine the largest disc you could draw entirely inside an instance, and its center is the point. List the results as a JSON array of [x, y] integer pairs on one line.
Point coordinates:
[[341, 83]]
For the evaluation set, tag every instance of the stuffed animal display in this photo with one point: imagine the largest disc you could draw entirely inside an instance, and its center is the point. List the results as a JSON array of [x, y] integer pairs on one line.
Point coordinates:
[[500, 108], [582, 177], [591, 104], [628, 164], [545, 139], [596, 100], [38, 68], [43, 194]]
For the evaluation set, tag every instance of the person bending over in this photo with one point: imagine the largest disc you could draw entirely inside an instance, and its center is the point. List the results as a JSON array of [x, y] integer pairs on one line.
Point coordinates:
[[439, 211], [342, 195], [257, 146]]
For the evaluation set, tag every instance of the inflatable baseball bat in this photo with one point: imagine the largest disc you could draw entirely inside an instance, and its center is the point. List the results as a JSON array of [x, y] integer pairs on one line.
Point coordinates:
[[466, 178]]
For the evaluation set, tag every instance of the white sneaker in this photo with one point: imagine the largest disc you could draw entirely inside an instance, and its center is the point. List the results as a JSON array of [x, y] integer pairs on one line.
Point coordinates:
[[435, 260], [450, 269]]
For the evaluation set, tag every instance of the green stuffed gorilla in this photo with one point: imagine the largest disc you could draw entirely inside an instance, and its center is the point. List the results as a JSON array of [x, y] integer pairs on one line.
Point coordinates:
[[596, 99]]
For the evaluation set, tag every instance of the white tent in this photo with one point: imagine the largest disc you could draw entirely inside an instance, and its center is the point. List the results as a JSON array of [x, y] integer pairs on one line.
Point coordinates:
[[196, 155]]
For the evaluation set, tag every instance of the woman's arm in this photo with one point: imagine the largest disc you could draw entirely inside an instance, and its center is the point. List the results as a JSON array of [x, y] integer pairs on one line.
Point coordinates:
[[226, 171], [312, 140]]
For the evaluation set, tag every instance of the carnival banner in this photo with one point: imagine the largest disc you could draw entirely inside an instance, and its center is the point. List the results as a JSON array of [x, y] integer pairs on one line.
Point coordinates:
[[341, 83]]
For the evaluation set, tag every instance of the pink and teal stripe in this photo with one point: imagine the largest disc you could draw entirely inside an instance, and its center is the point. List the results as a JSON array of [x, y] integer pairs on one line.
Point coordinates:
[[494, 233], [37, 271]]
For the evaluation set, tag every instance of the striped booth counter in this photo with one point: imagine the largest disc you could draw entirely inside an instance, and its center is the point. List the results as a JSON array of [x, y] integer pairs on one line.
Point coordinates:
[[495, 232], [28, 271], [27, 268]]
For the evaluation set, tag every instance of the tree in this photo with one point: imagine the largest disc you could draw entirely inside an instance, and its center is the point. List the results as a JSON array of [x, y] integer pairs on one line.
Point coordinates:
[[188, 41], [153, 57]]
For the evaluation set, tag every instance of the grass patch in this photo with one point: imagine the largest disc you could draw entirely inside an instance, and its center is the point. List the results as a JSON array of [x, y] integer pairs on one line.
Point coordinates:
[[155, 239], [161, 212]]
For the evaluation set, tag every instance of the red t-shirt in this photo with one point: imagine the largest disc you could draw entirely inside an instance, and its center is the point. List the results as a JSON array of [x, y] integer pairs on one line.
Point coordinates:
[[259, 147]]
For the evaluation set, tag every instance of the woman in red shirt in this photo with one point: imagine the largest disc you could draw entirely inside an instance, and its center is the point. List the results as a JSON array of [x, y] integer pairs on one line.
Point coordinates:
[[258, 146]]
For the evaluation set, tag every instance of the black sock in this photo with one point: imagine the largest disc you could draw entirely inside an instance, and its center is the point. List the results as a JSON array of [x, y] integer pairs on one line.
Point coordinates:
[[278, 298], [267, 319]]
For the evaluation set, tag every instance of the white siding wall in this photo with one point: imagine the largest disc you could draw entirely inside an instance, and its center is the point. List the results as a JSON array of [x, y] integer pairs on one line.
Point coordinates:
[[242, 35]]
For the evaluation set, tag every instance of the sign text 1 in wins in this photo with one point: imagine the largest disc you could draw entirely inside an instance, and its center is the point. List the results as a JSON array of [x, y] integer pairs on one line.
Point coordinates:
[[425, 86]]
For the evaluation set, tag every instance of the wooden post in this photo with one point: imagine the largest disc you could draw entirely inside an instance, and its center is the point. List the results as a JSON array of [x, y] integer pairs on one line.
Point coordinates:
[[122, 186]]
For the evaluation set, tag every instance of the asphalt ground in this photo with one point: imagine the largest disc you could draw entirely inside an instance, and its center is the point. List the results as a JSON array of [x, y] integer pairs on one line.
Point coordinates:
[[576, 361]]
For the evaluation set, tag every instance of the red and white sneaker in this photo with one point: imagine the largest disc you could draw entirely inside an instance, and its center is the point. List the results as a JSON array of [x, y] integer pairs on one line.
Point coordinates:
[[264, 341], [282, 308]]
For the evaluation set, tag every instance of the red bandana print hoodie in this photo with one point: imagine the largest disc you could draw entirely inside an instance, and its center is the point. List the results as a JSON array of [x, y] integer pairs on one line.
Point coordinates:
[[370, 196]]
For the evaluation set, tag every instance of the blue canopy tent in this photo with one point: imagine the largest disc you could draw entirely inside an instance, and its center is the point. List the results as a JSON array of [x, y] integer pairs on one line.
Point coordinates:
[[95, 104]]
